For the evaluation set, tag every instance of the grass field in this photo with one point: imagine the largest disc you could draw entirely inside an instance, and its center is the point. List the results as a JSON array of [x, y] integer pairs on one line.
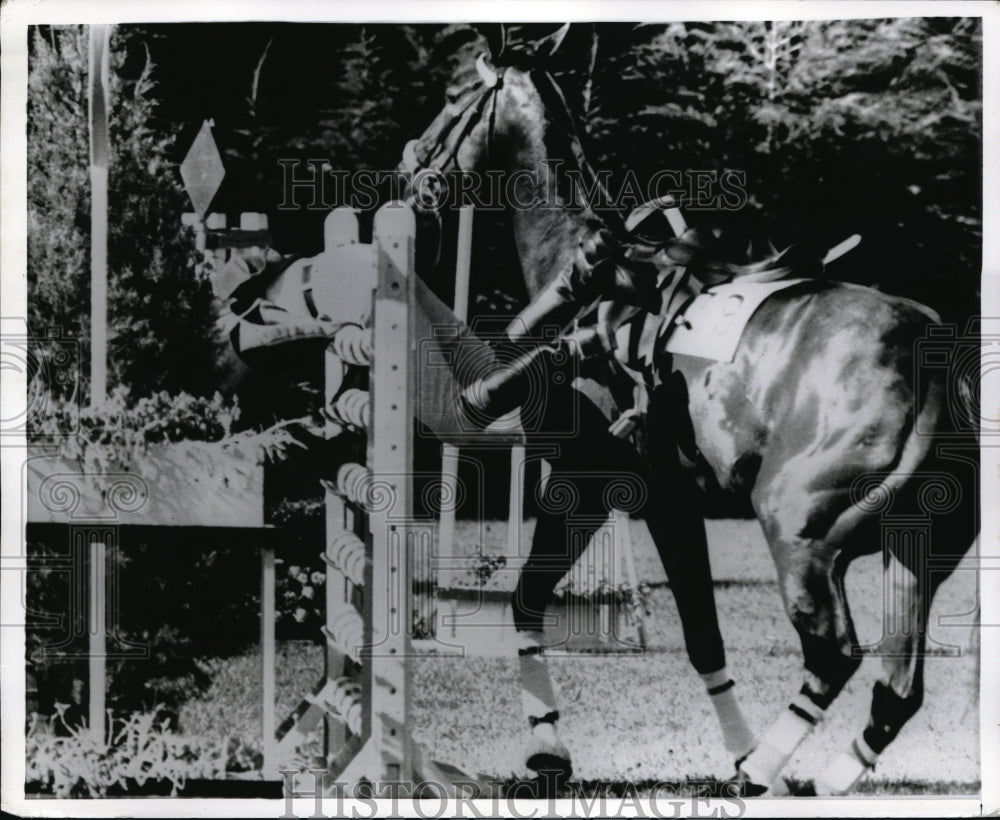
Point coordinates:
[[646, 718]]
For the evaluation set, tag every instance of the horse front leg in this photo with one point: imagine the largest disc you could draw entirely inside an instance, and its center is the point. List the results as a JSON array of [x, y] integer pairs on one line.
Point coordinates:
[[574, 504], [676, 522], [553, 552]]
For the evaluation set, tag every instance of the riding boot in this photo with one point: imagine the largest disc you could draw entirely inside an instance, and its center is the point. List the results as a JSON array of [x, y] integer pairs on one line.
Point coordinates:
[[524, 368], [600, 271]]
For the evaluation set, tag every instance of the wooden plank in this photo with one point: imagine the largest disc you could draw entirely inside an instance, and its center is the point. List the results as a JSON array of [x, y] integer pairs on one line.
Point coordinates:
[[390, 451], [515, 501], [449, 452], [184, 484], [57, 533], [100, 152], [98, 638]]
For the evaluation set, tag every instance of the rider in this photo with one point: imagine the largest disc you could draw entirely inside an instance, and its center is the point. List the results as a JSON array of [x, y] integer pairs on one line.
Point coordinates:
[[642, 276]]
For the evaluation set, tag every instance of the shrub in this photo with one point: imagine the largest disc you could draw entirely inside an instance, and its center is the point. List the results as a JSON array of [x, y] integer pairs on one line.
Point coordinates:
[[139, 750]]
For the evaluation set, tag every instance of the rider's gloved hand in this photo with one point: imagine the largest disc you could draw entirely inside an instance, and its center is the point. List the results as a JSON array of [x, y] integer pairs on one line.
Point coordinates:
[[602, 270]]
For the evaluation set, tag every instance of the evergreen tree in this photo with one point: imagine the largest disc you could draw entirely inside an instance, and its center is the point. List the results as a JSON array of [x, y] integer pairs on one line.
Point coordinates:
[[842, 126], [160, 322]]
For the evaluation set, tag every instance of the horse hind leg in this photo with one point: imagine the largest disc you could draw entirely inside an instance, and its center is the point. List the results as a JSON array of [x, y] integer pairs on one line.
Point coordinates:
[[909, 582], [810, 575], [897, 696], [813, 528]]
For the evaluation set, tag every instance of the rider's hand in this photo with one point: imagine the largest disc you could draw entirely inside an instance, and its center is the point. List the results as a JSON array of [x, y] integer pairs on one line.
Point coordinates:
[[602, 269]]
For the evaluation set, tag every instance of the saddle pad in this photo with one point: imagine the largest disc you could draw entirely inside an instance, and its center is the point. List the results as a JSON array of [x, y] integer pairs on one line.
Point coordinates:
[[712, 324]]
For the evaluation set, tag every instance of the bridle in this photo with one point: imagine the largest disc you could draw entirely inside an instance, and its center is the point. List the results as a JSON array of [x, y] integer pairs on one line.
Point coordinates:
[[464, 120], [471, 113], [442, 159]]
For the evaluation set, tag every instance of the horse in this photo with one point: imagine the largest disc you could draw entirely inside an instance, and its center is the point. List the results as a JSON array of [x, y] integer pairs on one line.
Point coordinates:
[[823, 424]]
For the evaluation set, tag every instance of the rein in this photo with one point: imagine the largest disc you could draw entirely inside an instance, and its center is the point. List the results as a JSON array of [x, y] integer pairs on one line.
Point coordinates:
[[472, 113], [555, 101]]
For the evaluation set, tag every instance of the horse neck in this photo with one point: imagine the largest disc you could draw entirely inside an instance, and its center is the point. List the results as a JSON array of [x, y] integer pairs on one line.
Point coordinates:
[[546, 241], [547, 233]]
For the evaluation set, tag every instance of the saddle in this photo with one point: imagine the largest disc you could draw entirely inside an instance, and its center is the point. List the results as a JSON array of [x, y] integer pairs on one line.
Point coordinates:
[[694, 262], [711, 263]]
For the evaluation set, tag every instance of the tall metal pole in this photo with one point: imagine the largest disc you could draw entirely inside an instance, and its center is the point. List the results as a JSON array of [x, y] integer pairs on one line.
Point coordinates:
[[100, 68]]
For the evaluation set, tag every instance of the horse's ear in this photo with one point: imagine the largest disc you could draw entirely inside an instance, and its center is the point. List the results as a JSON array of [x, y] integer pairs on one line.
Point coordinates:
[[548, 45], [496, 38]]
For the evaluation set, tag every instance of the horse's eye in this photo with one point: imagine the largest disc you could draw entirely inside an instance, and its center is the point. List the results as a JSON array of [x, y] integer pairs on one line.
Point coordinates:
[[451, 95]]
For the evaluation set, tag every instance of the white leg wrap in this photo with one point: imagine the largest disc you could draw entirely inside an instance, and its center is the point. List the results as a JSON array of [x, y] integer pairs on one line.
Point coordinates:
[[736, 733], [846, 770], [782, 739], [546, 733], [537, 695]]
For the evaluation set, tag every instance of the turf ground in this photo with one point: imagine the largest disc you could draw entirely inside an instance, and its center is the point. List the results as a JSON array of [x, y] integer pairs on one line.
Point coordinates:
[[646, 718]]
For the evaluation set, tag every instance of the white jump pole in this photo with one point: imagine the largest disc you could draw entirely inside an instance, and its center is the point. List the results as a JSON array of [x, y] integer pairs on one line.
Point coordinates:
[[449, 452], [267, 653], [99, 68], [515, 509]]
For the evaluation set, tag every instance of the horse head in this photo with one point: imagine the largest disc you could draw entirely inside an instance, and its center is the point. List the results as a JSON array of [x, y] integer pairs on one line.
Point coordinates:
[[494, 140], [491, 97]]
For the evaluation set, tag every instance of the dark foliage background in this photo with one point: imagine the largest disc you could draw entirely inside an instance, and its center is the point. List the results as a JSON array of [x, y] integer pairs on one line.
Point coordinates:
[[867, 126]]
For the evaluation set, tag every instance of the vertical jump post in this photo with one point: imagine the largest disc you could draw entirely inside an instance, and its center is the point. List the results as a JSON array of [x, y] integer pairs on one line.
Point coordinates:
[[100, 69]]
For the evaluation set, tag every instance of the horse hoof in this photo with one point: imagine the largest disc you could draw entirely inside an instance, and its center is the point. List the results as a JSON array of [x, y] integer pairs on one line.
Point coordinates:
[[779, 788], [548, 758], [742, 786], [544, 763]]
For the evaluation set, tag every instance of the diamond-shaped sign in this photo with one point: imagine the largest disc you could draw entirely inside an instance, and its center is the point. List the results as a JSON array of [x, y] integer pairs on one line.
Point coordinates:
[[202, 169]]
